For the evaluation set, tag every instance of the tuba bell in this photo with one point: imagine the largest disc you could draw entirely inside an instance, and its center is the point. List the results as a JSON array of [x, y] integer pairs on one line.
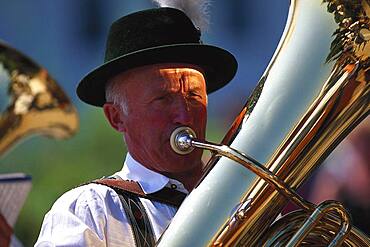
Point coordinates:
[[313, 93], [31, 101]]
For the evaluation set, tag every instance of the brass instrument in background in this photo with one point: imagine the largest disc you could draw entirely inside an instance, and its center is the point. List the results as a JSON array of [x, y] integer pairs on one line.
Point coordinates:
[[31, 102], [313, 93]]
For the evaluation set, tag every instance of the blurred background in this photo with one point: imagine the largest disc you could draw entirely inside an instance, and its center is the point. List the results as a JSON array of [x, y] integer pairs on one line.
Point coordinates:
[[68, 39]]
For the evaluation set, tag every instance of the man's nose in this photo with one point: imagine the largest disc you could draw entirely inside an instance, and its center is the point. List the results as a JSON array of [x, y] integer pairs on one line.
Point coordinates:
[[182, 112]]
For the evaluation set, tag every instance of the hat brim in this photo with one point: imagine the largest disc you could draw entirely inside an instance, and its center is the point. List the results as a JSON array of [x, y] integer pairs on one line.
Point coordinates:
[[218, 64]]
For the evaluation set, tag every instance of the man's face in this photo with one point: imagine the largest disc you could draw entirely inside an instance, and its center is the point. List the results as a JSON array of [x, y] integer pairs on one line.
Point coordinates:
[[159, 99]]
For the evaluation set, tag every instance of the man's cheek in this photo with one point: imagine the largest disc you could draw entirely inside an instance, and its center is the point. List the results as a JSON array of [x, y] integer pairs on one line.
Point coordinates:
[[158, 120]]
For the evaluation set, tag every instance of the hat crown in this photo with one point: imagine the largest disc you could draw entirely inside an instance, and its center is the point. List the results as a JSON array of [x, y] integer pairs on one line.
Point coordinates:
[[149, 28]]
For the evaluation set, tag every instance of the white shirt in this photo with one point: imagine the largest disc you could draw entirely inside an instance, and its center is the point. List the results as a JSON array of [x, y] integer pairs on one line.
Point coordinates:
[[92, 215]]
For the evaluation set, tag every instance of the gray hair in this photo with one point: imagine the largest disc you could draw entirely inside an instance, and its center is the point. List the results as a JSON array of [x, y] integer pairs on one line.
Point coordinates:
[[116, 96]]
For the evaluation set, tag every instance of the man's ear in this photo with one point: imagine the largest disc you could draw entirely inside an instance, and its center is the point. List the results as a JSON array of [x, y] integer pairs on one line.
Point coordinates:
[[115, 116]]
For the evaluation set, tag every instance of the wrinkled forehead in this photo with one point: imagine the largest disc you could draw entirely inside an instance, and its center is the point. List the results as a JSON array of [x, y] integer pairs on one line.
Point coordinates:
[[175, 68], [161, 74], [164, 68]]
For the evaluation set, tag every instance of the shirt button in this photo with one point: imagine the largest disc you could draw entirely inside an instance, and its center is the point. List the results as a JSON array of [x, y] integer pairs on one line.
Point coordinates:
[[173, 186]]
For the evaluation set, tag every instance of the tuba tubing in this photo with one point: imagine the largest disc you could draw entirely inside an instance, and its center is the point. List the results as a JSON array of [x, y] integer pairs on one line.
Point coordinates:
[[313, 93]]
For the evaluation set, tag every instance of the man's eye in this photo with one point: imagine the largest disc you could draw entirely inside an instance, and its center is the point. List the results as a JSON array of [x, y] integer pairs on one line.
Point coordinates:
[[160, 98], [195, 95]]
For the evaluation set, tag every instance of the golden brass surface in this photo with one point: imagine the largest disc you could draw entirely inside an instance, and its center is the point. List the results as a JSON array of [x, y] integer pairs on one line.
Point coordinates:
[[307, 227], [283, 138], [342, 103], [31, 102], [313, 220], [286, 227]]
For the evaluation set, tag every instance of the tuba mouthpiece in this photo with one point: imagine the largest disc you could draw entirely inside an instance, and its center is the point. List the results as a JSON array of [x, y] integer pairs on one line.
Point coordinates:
[[180, 140]]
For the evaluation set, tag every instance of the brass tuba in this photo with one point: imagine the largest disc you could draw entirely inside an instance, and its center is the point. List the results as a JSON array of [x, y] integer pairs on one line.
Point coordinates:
[[313, 93], [31, 102]]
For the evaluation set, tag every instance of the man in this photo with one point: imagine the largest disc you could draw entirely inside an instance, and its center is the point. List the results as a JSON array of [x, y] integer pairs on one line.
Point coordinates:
[[155, 78]]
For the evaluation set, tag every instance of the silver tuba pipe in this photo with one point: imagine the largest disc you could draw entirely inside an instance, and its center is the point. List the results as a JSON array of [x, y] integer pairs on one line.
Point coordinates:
[[313, 93]]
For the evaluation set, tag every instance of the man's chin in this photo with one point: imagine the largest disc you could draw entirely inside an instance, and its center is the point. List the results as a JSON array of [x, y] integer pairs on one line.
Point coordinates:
[[184, 162]]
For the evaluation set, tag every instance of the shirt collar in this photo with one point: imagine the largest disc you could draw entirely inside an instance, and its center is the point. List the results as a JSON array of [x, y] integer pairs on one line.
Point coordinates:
[[150, 181]]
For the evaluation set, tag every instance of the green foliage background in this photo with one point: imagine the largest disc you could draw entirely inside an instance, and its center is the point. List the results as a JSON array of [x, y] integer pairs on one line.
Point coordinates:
[[59, 165]]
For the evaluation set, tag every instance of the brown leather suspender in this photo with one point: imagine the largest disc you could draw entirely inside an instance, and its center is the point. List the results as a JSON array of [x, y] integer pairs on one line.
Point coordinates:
[[165, 195], [129, 193]]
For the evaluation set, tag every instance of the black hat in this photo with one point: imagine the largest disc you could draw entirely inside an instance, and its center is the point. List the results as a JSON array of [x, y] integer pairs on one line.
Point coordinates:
[[161, 35]]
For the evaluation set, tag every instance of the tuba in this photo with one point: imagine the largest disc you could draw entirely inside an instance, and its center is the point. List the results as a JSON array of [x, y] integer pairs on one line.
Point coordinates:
[[31, 102], [313, 93]]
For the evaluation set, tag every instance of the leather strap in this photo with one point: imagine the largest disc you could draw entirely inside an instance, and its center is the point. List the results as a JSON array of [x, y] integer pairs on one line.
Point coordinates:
[[129, 193], [138, 219], [165, 195]]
